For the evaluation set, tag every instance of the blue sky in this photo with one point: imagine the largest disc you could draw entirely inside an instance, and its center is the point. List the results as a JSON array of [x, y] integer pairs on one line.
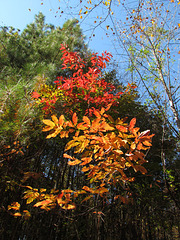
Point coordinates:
[[19, 13]]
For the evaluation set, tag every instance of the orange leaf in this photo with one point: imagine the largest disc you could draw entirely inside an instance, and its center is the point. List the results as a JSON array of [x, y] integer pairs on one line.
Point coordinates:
[[140, 168], [81, 126], [65, 155], [74, 119], [35, 95], [106, 127], [86, 160], [108, 106], [118, 151], [102, 111], [59, 198], [72, 163], [17, 214], [14, 206], [132, 124], [86, 188], [43, 203], [146, 143], [86, 120], [85, 169], [96, 113], [121, 128], [61, 120]]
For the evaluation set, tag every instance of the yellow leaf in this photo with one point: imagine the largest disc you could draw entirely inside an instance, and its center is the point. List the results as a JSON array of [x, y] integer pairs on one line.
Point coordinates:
[[17, 214], [55, 120], [71, 144], [49, 123], [54, 134], [69, 206], [133, 146], [30, 200], [46, 129]]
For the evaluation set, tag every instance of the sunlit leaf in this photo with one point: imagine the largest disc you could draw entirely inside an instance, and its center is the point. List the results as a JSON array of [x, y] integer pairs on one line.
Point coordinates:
[[74, 119], [86, 120], [132, 124], [61, 120], [17, 214], [54, 118], [65, 155], [121, 128], [69, 206], [72, 163], [49, 123], [43, 203]]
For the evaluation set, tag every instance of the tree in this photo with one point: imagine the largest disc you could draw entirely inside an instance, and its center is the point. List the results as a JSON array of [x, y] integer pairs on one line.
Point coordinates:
[[75, 204]]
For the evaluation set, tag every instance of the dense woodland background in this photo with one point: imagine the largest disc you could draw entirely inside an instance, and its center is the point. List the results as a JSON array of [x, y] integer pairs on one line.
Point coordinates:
[[31, 58]]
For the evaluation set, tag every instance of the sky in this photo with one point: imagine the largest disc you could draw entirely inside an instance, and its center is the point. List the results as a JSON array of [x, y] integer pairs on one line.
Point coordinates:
[[19, 13]]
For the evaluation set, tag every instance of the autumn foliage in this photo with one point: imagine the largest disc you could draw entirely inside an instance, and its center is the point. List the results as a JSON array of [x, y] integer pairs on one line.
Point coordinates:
[[105, 149], [82, 89]]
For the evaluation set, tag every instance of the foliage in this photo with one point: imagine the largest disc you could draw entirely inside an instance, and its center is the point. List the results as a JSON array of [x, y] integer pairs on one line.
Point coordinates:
[[95, 167], [103, 147]]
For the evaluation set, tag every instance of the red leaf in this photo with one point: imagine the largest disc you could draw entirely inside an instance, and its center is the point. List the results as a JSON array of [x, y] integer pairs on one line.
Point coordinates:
[[35, 95]]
